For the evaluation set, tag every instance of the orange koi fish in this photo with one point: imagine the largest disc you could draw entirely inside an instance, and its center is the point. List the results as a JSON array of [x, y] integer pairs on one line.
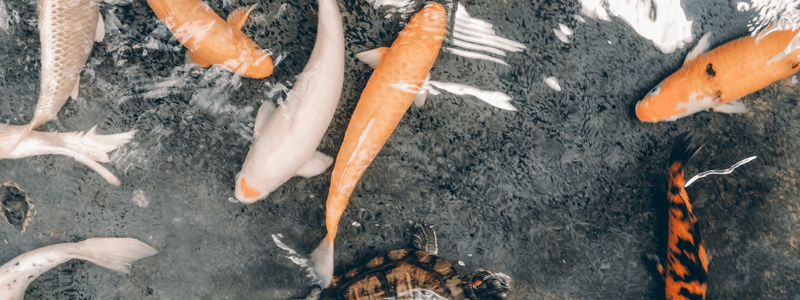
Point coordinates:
[[718, 78], [211, 40], [686, 267], [397, 78]]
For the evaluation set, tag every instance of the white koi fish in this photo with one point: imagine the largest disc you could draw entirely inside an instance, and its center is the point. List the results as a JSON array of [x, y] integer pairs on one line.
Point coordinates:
[[287, 139], [111, 253], [67, 31]]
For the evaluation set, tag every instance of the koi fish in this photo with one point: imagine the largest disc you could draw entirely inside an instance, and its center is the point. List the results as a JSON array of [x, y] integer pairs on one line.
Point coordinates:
[[718, 78], [211, 40], [67, 31], [111, 253], [686, 268], [286, 140], [398, 75]]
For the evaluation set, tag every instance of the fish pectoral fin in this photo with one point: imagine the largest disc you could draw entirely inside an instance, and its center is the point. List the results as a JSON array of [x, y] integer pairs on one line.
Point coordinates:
[[701, 47], [237, 18], [190, 57], [74, 93], [656, 261], [316, 165], [100, 32], [264, 112], [733, 107], [372, 57], [422, 92]]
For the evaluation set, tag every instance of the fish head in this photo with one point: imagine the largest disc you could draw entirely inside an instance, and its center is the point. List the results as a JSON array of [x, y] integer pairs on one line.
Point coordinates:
[[263, 171], [260, 66], [249, 189], [668, 101]]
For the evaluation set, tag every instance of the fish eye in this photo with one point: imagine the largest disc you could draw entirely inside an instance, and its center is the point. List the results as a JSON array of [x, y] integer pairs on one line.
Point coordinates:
[[655, 91]]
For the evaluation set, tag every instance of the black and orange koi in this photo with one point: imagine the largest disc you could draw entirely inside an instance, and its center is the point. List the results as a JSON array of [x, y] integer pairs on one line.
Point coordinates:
[[686, 268]]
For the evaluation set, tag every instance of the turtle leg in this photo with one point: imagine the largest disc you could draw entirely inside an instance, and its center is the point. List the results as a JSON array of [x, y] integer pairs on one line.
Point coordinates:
[[424, 238], [489, 285], [313, 295]]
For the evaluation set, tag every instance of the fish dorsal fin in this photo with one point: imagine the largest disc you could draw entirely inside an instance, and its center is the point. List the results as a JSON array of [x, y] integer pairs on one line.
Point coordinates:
[[264, 112], [239, 16], [701, 47], [101, 29], [372, 57], [316, 165]]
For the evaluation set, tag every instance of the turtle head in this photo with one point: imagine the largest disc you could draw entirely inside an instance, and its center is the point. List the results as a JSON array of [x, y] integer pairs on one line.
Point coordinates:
[[489, 285], [424, 238]]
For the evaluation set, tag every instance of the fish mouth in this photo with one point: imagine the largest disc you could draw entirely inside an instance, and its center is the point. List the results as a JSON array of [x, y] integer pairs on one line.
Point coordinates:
[[647, 114], [641, 114]]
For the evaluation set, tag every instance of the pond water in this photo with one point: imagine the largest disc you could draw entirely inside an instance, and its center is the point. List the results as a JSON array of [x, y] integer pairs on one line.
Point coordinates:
[[566, 194]]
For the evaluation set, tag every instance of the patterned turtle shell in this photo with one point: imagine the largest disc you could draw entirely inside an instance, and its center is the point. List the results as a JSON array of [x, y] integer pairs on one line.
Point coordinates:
[[415, 274]]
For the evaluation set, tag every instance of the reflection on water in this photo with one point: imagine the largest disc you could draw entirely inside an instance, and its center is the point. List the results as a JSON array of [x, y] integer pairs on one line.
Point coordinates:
[[661, 21]]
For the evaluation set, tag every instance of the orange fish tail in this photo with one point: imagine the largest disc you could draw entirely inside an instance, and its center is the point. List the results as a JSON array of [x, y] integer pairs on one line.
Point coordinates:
[[686, 267]]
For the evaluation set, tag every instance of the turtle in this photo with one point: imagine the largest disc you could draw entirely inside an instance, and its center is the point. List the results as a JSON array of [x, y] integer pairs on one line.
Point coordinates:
[[415, 273]]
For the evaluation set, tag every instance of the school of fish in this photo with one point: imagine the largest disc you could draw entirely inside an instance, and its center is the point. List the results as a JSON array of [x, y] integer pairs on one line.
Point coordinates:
[[287, 137]]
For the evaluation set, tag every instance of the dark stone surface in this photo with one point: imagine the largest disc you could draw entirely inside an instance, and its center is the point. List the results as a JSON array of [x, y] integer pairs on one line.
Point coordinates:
[[566, 196]]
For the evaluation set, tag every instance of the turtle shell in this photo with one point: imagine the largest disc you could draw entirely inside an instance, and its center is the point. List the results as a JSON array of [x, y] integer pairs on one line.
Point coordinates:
[[400, 274]]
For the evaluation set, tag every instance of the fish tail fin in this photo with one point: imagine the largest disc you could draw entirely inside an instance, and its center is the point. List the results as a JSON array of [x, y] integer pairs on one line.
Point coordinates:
[[682, 151], [322, 257], [96, 146], [86, 147], [113, 253]]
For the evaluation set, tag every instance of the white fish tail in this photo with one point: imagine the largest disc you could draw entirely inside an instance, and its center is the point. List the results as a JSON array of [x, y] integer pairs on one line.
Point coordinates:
[[323, 262], [113, 253], [87, 147], [96, 146]]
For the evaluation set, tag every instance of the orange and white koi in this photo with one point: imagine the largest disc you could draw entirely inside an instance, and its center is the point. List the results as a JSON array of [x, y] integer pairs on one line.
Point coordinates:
[[211, 40], [287, 138], [399, 73], [686, 268], [718, 78]]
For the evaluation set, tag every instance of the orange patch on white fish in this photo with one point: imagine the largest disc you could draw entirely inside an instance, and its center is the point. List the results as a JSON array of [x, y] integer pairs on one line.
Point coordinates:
[[211, 40], [248, 190], [718, 78], [390, 91]]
